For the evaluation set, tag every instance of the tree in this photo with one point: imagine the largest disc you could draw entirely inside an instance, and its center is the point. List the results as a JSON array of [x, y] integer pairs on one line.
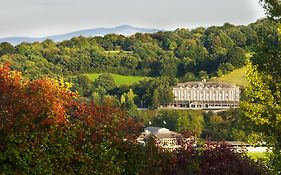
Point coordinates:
[[273, 8], [156, 99], [250, 34], [145, 92], [46, 129], [263, 102], [186, 65], [127, 102], [104, 81], [166, 118], [96, 97], [236, 56], [163, 95], [172, 45], [129, 61], [192, 122], [46, 99], [262, 106], [168, 67], [224, 68], [226, 41], [82, 84], [215, 156], [237, 36], [189, 76], [226, 125], [203, 75], [6, 48], [166, 95], [214, 128]]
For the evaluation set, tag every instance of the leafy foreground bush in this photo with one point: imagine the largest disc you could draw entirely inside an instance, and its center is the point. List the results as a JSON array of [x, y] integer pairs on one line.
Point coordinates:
[[46, 129], [223, 159]]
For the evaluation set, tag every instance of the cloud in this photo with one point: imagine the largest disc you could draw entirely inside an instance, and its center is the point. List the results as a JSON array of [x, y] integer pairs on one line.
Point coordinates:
[[47, 17], [51, 3]]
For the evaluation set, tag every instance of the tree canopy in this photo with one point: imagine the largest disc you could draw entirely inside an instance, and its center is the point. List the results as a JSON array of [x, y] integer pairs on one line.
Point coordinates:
[[273, 8], [262, 104]]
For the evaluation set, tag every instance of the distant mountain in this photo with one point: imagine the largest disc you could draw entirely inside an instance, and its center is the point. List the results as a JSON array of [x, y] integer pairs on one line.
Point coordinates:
[[123, 30]]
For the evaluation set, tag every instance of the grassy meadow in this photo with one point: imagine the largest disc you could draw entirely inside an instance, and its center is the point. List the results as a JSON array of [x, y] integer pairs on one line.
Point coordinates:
[[237, 77], [119, 79], [257, 155]]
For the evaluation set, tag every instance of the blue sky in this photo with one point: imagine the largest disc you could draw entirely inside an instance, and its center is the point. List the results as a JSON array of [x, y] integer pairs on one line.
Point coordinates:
[[35, 18]]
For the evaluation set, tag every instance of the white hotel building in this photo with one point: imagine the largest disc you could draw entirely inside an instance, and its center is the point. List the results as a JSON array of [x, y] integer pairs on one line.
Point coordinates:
[[206, 95]]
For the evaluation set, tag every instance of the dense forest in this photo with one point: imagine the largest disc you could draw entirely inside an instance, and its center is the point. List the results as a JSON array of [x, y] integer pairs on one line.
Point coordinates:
[[168, 57], [186, 54]]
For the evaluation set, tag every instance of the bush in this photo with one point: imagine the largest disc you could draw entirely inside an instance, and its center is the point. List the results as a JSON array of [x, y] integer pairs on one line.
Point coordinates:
[[224, 159]]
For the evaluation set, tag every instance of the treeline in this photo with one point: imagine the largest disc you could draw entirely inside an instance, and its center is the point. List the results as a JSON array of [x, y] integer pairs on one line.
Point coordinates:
[[229, 125], [186, 54], [148, 93]]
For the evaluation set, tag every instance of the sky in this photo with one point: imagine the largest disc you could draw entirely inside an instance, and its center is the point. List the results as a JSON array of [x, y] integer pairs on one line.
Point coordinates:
[[38, 18]]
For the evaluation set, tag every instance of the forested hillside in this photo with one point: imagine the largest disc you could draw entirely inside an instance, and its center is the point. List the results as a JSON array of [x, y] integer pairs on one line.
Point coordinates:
[[186, 54], [167, 57]]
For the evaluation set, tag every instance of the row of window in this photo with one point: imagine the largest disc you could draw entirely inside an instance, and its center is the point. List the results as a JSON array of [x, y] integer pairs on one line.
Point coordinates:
[[206, 92], [197, 95]]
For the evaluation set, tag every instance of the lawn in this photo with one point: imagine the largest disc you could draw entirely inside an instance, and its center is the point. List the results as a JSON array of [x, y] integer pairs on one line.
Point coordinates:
[[119, 79], [257, 155], [237, 77]]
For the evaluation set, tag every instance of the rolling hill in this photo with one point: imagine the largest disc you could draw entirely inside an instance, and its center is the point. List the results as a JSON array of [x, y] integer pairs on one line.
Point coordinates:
[[125, 30]]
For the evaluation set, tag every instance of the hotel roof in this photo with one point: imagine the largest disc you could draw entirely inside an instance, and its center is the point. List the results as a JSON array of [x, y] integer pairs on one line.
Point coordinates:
[[195, 84]]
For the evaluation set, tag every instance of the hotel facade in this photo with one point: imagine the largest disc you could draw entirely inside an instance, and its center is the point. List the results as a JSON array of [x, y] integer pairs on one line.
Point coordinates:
[[206, 95]]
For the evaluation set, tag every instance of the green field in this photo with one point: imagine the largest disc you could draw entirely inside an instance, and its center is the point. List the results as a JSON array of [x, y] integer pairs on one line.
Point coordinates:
[[237, 77], [257, 155], [119, 79]]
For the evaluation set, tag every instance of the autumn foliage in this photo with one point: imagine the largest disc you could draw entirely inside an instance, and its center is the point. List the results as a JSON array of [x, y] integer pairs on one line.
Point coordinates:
[[46, 129], [37, 103]]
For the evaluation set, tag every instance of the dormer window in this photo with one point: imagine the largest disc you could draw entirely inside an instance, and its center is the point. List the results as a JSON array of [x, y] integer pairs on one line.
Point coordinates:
[[200, 85]]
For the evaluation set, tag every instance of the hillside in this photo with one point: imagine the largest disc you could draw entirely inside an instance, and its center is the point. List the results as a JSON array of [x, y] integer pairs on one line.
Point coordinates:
[[237, 77], [180, 55], [125, 30]]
